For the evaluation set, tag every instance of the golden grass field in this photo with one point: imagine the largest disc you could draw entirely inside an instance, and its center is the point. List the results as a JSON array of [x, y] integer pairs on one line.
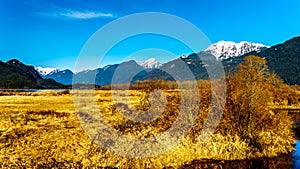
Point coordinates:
[[43, 130]]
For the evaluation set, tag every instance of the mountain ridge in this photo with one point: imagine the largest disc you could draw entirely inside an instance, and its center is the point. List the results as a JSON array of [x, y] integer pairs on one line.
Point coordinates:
[[282, 58], [228, 49], [151, 63], [16, 75], [213, 51], [46, 71]]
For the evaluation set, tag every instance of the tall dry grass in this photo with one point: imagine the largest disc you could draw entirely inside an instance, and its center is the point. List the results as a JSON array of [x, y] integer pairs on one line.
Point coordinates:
[[42, 129]]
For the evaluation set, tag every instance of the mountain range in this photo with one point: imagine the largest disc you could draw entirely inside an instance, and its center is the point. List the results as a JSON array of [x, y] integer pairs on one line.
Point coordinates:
[[154, 69], [283, 59], [103, 75], [15, 75]]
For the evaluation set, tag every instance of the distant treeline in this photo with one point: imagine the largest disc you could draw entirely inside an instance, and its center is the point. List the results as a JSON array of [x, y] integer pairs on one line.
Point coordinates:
[[157, 84]]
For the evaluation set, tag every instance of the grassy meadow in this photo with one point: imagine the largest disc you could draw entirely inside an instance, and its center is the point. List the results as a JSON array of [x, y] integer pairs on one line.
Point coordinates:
[[43, 129]]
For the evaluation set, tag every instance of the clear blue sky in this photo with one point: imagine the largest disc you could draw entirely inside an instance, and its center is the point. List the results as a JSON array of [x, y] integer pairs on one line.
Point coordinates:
[[51, 33]]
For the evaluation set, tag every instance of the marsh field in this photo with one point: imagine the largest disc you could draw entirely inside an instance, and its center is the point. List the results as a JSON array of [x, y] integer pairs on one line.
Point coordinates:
[[46, 129]]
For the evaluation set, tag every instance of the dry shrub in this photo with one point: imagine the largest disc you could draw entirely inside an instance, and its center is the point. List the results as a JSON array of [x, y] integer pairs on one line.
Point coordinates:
[[247, 113], [147, 129], [64, 92]]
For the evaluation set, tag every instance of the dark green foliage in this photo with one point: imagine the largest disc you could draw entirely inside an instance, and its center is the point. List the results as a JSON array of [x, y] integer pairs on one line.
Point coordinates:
[[17, 81], [283, 59], [15, 75], [50, 84]]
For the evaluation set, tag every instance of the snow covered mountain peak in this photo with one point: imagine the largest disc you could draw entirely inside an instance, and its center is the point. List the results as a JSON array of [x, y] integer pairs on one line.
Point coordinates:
[[226, 49], [150, 64], [46, 71]]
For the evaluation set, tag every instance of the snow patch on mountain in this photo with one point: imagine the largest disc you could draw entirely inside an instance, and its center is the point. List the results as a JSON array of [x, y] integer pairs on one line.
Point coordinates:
[[83, 71], [183, 56], [46, 71], [106, 67], [227, 49], [150, 64]]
